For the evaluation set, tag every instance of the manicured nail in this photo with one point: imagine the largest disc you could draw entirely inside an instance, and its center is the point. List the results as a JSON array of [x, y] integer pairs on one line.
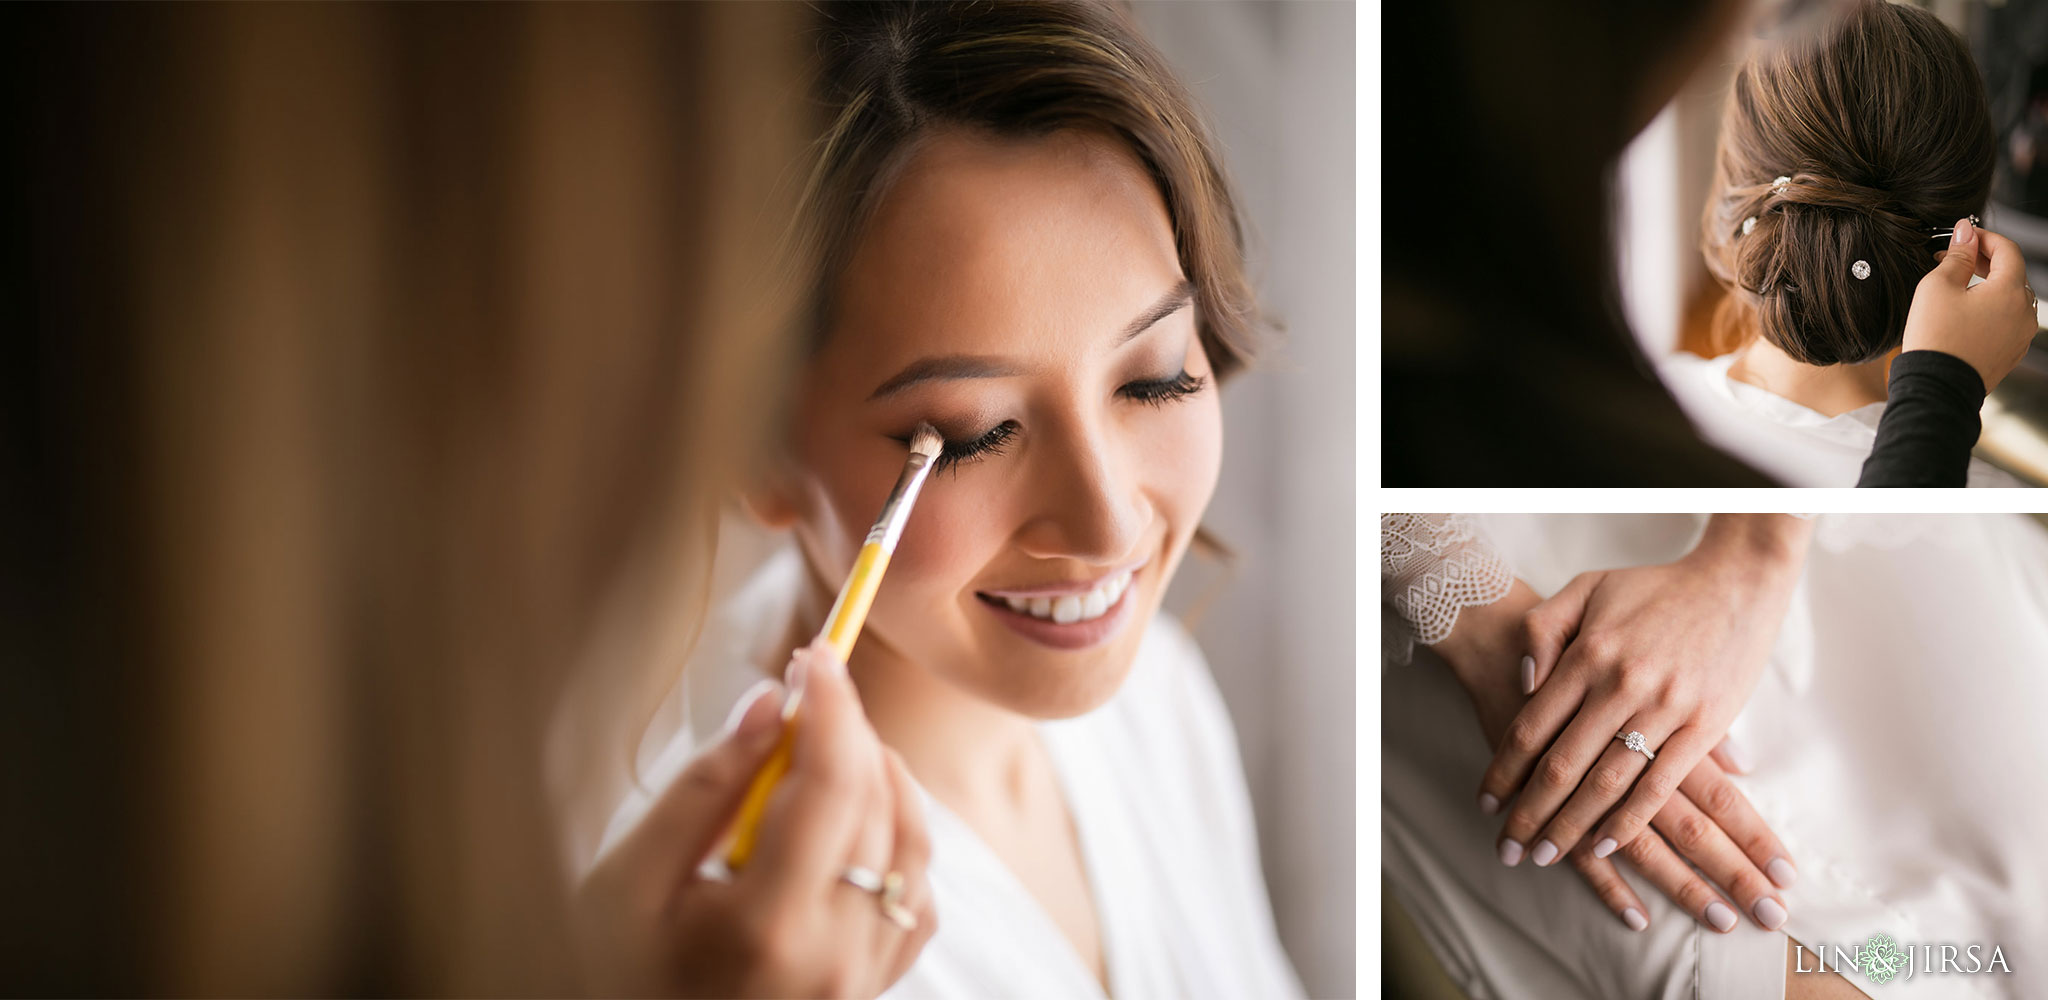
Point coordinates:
[[793, 674], [1605, 847], [1510, 853], [1545, 853], [1964, 233], [1720, 916], [1488, 804], [1528, 675], [1781, 873], [1769, 913], [1737, 756], [746, 703], [825, 659], [1634, 919]]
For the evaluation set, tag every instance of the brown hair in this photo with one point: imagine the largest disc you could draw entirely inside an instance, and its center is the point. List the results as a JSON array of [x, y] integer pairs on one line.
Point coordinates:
[[1879, 123], [892, 73]]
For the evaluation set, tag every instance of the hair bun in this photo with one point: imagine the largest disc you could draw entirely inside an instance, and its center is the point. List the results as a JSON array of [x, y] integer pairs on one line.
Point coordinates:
[[1852, 145]]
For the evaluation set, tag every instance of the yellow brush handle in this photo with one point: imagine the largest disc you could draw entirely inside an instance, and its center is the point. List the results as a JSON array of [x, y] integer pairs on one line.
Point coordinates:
[[848, 614]]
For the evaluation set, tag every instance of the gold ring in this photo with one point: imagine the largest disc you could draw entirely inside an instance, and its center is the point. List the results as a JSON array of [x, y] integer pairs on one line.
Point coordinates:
[[888, 890], [893, 886]]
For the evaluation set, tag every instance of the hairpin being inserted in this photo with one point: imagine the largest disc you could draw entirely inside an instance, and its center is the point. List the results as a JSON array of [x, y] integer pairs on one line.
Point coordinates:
[[1950, 231]]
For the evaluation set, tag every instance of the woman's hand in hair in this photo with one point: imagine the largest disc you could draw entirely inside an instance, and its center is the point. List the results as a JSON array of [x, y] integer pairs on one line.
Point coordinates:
[[786, 925], [1989, 325], [1708, 823], [1672, 652]]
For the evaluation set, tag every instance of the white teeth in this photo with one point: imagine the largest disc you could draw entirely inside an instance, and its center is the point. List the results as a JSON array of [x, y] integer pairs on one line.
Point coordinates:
[[1094, 604], [1070, 608]]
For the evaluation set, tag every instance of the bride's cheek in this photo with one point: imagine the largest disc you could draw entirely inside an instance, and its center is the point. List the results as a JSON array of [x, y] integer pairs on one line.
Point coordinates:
[[945, 542]]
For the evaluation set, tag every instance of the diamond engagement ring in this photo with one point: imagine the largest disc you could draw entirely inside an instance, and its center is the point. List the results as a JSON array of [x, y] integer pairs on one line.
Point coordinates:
[[1634, 741]]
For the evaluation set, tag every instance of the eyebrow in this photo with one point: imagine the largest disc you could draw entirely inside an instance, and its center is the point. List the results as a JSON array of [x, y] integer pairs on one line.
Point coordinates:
[[958, 366]]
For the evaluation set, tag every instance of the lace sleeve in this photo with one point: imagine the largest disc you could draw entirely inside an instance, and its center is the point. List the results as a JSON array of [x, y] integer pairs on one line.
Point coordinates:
[[1431, 567]]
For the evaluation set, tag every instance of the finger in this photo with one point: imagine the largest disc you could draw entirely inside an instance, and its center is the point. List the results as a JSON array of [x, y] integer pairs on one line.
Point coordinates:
[[1607, 883], [1960, 261], [2008, 266], [1616, 769], [1563, 767], [816, 812], [1709, 789], [1731, 756], [1983, 268], [1549, 627], [1675, 759], [913, 859], [1527, 737], [1700, 840], [686, 819], [874, 849], [1669, 873]]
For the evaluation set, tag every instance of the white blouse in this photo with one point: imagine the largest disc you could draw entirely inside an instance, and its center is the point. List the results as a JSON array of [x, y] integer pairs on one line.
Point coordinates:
[[1158, 798], [1795, 445]]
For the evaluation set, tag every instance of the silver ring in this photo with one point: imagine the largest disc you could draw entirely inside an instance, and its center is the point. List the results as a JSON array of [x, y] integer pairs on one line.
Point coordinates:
[[863, 878], [1634, 741]]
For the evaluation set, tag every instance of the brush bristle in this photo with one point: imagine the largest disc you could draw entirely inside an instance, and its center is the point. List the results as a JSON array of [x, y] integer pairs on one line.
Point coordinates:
[[926, 441]]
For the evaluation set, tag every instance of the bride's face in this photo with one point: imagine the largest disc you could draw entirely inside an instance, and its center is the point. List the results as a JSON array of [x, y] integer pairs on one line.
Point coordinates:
[[1025, 297]]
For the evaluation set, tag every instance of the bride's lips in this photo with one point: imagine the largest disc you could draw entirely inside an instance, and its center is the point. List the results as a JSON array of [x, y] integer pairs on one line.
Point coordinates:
[[1070, 635]]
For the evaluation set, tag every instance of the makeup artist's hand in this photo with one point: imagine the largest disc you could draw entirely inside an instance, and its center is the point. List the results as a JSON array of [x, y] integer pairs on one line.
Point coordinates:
[[1708, 822], [785, 925], [1672, 652], [1991, 325]]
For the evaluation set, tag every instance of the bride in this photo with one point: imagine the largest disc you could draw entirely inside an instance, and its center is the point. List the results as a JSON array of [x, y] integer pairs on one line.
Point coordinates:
[[1029, 244], [1845, 162], [1891, 747]]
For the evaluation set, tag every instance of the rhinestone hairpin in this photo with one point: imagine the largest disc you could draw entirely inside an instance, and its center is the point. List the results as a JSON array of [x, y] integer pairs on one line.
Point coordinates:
[[1748, 224], [1778, 186], [1861, 269]]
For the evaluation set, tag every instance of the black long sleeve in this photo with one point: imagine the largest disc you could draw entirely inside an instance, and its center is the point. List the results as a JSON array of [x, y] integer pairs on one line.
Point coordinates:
[[1930, 423]]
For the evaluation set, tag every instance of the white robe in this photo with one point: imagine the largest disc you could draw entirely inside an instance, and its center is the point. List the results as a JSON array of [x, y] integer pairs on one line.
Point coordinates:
[[1793, 444], [1158, 799], [1897, 744]]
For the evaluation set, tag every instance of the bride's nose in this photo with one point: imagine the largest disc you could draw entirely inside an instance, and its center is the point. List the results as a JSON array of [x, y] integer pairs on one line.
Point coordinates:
[[1087, 503]]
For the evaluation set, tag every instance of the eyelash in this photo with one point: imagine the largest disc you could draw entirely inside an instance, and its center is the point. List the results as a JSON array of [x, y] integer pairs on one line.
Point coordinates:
[[1160, 392], [1156, 392]]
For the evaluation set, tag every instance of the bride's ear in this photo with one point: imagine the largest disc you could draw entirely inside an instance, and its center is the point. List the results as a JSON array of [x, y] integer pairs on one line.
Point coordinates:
[[770, 497]]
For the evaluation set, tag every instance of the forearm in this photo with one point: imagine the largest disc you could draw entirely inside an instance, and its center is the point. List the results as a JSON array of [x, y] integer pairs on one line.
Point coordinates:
[[1755, 550]]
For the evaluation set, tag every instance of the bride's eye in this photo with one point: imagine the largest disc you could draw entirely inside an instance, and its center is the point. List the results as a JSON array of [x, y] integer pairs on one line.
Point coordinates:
[[992, 443], [1159, 392]]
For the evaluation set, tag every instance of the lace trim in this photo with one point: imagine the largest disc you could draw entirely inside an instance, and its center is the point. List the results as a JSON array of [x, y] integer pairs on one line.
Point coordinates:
[[1433, 566]]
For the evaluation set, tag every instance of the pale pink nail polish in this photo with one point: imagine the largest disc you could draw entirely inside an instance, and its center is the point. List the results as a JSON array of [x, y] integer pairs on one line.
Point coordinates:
[[1528, 675], [1488, 804], [1605, 847], [1634, 919], [1720, 916], [1545, 853], [1781, 872], [747, 700], [1769, 913], [1510, 853]]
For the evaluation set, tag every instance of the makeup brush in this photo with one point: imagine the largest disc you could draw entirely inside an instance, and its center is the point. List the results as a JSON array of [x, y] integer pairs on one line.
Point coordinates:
[[842, 626]]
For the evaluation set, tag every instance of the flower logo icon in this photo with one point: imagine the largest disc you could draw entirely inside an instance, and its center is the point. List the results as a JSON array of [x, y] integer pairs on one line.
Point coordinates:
[[1881, 959]]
